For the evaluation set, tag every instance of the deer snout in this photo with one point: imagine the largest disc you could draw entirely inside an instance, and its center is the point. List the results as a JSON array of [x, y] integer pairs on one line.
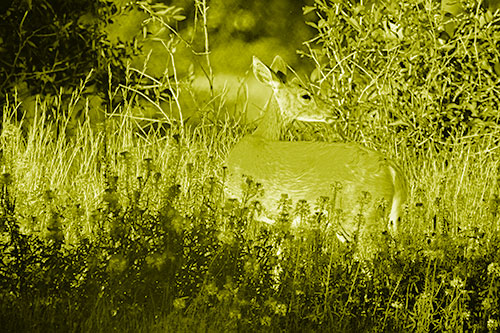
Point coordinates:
[[329, 119]]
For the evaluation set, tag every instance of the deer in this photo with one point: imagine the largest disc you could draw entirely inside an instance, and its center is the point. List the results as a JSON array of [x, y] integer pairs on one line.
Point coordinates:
[[309, 170]]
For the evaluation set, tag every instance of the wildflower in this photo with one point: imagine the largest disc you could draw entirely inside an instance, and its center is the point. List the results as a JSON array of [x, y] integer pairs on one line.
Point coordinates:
[[457, 283], [156, 260], [494, 270], [265, 321], [397, 305], [117, 263], [280, 309], [487, 304], [492, 325], [6, 179], [180, 303], [234, 314], [225, 237]]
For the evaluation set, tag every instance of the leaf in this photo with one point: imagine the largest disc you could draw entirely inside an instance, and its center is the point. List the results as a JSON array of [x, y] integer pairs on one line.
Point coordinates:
[[354, 23], [322, 24], [496, 68], [482, 21], [452, 106], [399, 123], [308, 9], [312, 24]]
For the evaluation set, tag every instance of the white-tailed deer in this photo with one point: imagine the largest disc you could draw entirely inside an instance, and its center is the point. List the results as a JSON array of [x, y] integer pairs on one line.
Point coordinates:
[[307, 170]]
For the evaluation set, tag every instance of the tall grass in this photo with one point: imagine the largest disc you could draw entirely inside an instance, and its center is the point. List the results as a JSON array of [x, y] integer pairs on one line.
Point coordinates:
[[115, 224], [112, 228]]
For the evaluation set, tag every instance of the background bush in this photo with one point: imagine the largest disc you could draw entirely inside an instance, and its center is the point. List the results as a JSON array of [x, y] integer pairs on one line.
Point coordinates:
[[394, 65]]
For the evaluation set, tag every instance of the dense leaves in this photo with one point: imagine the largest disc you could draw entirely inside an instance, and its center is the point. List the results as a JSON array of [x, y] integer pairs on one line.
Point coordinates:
[[396, 60]]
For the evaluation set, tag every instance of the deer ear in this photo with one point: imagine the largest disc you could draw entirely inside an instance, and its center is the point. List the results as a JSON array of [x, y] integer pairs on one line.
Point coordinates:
[[279, 67], [264, 74]]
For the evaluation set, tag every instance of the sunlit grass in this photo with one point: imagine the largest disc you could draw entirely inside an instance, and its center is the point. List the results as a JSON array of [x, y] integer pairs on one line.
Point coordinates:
[[114, 211], [106, 226]]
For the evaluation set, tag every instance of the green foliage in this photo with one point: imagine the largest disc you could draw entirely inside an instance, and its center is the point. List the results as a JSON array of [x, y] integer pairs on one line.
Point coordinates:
[[50, 47], [166, 256], [119, 232], [45, 46], [394, 60], [132, 262]]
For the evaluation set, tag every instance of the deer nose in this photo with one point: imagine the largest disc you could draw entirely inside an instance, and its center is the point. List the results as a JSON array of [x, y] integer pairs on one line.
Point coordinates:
[[329, 119]]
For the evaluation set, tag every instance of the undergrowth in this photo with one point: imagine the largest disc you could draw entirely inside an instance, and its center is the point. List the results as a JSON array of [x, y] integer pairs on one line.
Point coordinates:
[[151, 244], [114, 227]]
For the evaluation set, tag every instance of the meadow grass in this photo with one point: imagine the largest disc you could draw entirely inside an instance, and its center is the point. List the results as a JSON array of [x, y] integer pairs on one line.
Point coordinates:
[[111, 229], [112, 226]]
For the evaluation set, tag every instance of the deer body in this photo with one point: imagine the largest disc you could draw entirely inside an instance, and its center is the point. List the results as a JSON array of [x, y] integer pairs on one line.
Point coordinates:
[[307, 170]]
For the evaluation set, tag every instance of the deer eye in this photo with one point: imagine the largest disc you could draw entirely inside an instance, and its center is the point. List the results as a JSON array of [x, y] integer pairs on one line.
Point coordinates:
[[306, 97]]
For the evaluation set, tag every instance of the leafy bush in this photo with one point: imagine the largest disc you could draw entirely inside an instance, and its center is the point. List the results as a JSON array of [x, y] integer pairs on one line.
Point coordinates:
[[64, 51], [394, 61], [49, 49]]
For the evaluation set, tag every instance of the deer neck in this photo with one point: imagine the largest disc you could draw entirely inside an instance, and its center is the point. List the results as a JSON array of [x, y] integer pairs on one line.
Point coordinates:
[[272, 124]]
